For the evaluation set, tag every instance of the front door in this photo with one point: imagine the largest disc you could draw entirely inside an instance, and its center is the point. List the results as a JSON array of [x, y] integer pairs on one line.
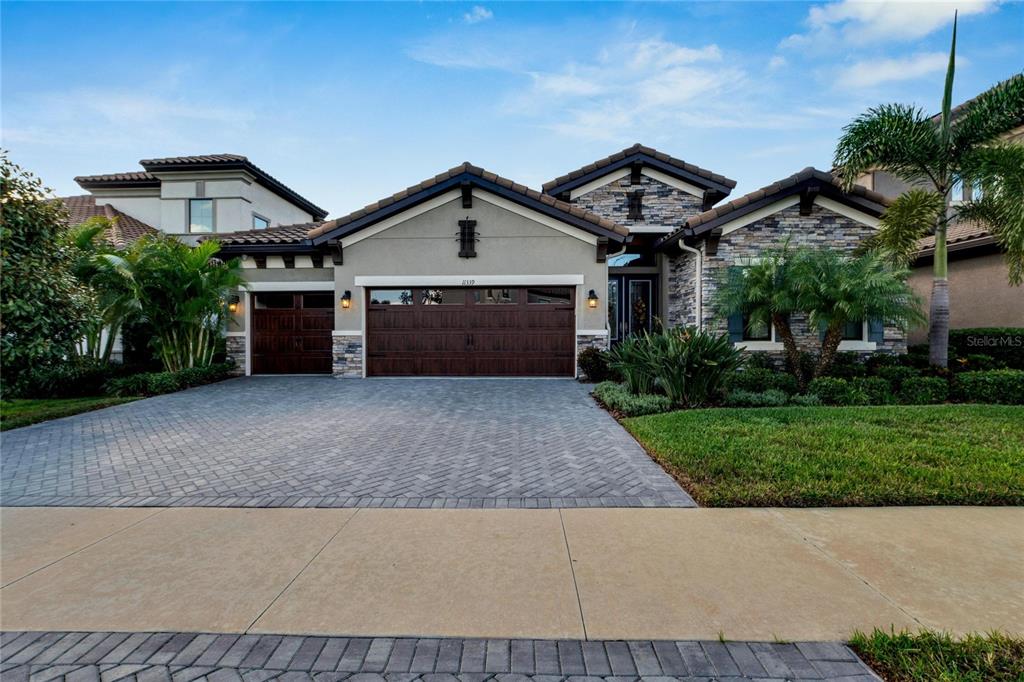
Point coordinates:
[[632, 304]]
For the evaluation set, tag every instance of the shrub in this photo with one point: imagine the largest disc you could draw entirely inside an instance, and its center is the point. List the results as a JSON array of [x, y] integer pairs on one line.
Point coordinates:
[[770, 398], [754, 380], [809, 400], [976, 362], [136, 384], [847, 366], [896, 375], [1004, 344], [156, 383], [686, 364], [594, 363], [618, 398], [924, 391], [163, 382], [831, 391], [78, 378], [996, 386], [871, 391], [876, 361]]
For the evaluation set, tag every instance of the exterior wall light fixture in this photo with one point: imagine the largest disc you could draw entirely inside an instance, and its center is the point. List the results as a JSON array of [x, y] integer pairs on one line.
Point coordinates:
[[346, 300], [233, 301], [592, 299]]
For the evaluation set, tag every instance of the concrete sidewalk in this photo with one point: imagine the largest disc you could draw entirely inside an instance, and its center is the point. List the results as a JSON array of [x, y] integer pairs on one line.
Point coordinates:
[[744, 574]]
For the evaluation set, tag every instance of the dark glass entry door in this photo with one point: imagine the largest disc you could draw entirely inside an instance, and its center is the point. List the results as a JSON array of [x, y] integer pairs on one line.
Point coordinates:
[[632, 304]]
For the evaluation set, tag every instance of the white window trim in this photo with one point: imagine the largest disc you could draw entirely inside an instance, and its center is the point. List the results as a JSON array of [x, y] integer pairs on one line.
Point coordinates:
[[256, 215], [324, 285], [862, 345]]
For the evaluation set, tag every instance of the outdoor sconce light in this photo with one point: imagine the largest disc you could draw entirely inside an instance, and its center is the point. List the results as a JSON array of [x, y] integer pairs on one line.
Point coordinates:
[[592, 299], [233, 304], [346, 300]]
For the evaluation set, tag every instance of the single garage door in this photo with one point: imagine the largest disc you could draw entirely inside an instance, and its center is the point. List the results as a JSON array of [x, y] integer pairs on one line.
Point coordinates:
[[291, 332], [471, 332]]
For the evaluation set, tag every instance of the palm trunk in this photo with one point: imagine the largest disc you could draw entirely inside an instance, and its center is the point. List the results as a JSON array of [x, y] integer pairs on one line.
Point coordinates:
[[829, 346], [938, 314], [782, 330]]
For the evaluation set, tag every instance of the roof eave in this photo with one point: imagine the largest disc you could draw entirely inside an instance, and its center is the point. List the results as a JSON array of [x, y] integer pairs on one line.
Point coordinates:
[[646, 159]]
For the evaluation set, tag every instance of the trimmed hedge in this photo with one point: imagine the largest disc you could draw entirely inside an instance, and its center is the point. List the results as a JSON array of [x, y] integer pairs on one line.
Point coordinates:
[[924, 391], [1003, 344], [831, 391], [617, 398], [157, 383], [1004, 386], [758, 380], [871, 391], [77, 378], [896, 375]]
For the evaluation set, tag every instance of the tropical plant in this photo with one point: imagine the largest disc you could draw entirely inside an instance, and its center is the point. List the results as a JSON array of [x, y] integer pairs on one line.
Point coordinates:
[[43, 308], [834, 289], [629, 359], [933, 156], [115, 300], [182, 292], [764, 294]]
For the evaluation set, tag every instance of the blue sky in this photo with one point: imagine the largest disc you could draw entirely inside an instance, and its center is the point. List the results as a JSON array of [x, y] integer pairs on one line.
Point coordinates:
[[347, 103]]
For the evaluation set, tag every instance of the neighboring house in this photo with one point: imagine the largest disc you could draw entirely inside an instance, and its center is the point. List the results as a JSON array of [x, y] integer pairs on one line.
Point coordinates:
[[979, 291], [469, 273], [193, 196]]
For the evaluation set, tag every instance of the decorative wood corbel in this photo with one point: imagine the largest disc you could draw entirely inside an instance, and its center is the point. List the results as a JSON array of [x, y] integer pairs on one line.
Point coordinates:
[[602, 249], [467, 194], [807, 198], [713, 238], [337, 257]]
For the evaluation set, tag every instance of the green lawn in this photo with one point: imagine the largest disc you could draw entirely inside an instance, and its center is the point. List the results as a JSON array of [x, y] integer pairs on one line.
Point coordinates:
[[928, 656], [15, 413], [842, 456]]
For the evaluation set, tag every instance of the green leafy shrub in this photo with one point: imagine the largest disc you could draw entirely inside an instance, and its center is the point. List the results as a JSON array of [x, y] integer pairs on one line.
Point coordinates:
[[831, 391], [618, 398], [847, 366], [78, 377], [924, 391], [896, 375], [1004, 344], [976, 362], [876, 361], [157, 383], [871, 391], [136, 384], [808, 400], [770, 398], [630, 359], [594, 363], [1004, 386], [755, 380]]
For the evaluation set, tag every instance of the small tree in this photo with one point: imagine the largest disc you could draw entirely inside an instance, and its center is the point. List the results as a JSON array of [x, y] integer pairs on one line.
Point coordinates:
[[43, 308], [182, 292], [932, 156], [834, 289]]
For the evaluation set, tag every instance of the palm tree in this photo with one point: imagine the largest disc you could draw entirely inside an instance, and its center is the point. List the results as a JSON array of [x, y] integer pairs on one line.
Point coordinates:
[[932, 156], [764, 295], [834, 290]]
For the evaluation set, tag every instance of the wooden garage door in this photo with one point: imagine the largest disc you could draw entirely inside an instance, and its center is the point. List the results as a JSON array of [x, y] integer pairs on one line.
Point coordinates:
[[291, 332], [471, 332]]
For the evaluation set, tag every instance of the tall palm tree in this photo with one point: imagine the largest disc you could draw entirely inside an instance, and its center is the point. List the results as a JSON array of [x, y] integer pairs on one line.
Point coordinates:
[[932, 156]]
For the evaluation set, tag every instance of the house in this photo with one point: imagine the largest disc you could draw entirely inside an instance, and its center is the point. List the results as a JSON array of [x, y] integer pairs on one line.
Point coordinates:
[[469, 273], [190, 196], [980, 294]]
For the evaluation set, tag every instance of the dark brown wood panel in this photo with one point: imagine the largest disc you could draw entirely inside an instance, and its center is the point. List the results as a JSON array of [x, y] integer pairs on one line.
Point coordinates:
[[292, 337], [461, 337]]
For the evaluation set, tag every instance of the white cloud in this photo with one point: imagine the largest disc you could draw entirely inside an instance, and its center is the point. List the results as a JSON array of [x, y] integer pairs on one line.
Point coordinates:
[[777, 62], [477, 14], [871, 72], [861, 22]]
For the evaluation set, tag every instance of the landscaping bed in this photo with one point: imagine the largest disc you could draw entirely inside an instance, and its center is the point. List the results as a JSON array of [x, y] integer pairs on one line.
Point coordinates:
[[16, 413], [841, 456], [927, 656]]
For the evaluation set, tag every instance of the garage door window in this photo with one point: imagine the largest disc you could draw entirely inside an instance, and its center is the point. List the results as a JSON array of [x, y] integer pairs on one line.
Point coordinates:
[[318, 300], [495, 296], [443, 297], [270, 301], [390, 296], [549, 296]]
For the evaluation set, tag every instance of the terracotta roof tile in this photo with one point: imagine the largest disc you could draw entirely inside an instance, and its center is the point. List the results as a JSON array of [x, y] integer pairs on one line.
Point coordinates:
[[280, 234], [957, 233], [124, 229], [133, 177]]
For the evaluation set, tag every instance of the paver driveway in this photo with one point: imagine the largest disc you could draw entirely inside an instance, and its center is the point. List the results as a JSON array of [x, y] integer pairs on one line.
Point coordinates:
[[319, 441]]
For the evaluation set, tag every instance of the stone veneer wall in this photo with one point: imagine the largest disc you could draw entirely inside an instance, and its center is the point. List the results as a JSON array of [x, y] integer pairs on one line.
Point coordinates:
[[584, 341], [348, 356], [822, 229], [236, 353], [681, 290], [662, 204]]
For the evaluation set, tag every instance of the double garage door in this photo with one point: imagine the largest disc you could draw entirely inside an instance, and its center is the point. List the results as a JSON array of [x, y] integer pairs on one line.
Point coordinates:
[[526, 331]]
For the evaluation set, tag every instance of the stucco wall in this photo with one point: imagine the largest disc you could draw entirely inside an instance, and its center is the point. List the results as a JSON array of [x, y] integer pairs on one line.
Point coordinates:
[[509, 245], [979, 294]]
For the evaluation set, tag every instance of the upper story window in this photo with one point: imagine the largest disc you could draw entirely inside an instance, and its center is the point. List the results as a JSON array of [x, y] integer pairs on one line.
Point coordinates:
[[259, 222], [956, 194], [200, 215], [977, 191]]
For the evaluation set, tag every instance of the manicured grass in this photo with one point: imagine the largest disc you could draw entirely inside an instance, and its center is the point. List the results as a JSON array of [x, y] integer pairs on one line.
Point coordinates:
[[842, 456], [929, 656], [15, 413]]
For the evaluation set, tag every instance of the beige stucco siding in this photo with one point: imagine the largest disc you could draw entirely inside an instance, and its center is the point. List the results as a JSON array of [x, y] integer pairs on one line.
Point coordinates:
[[979, 294], [510, 245]]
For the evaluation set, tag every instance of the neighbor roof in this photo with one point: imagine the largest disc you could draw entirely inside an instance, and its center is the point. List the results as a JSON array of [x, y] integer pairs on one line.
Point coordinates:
[[649, 156], [827, 185], [124, 228], [199, 163]]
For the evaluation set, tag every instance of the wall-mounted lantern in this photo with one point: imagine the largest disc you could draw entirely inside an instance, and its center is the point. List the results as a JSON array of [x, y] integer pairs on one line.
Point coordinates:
[[233, 301], [592, 299], [346, 300]]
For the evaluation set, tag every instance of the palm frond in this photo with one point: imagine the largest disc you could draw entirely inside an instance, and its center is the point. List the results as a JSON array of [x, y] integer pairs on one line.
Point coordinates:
[[1000, 169], [988, 116], [897, 138], [909, 218]]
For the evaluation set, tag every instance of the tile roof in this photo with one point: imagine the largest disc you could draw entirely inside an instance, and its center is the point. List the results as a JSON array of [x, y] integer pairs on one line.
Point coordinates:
[[124, 228], [778, 188], [476, 171], [636, 149], [956, 233], [279, 234], [193, 160], [131, 177]]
